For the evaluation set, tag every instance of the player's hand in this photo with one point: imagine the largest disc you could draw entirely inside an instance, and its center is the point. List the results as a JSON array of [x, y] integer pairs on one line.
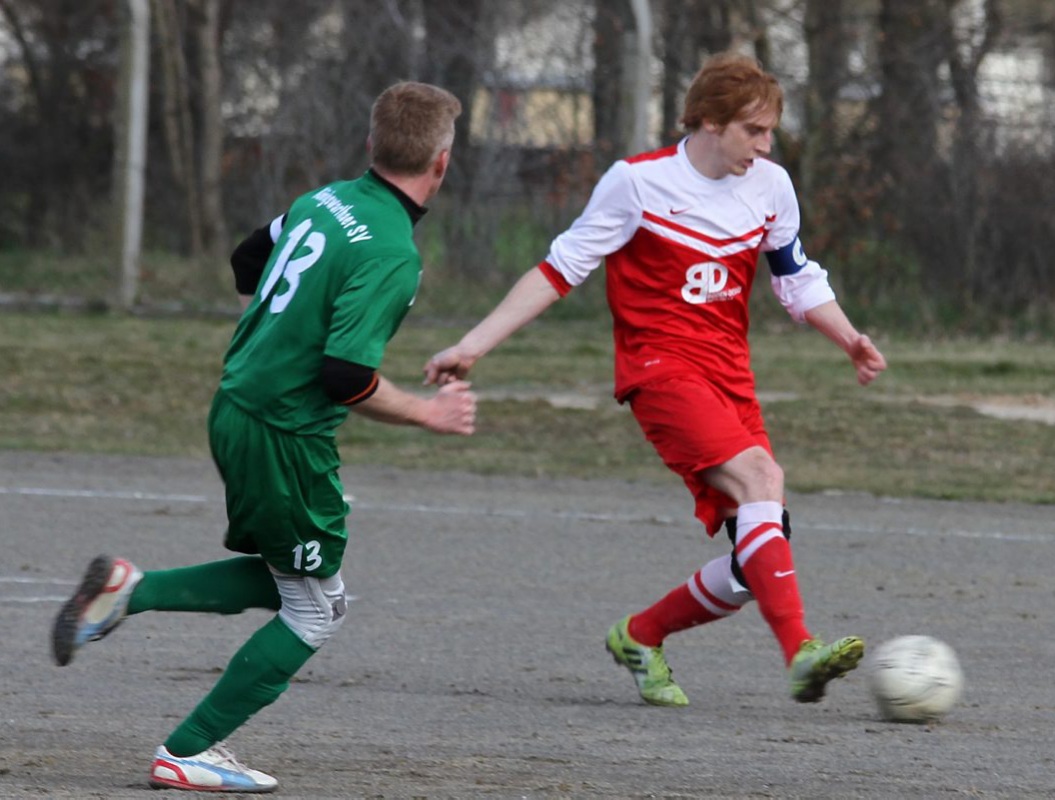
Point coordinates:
[[448, 365], [868, 361], [452, 409]]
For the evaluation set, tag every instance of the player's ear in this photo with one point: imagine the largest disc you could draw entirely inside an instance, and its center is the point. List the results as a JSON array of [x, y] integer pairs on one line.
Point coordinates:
[[439, 166]]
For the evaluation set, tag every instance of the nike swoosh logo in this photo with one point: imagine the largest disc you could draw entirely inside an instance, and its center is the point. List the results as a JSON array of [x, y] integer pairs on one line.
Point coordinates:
[[676, 211], [779, 574]]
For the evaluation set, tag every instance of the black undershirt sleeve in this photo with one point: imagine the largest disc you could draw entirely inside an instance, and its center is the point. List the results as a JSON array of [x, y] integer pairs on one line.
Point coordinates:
[[249, 259], [346, 382]]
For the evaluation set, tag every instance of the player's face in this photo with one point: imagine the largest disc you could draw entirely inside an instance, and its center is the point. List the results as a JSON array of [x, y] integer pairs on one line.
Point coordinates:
[[747, 138]]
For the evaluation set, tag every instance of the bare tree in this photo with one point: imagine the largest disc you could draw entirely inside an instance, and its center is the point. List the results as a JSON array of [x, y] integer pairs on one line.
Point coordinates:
[[457, 53], [206, 19], [177, 120], [969, 204], [910, 101], [613, 27], [459, 37], [913, 154], [193, 123], [690, 29], [61, 151], [826, 42]]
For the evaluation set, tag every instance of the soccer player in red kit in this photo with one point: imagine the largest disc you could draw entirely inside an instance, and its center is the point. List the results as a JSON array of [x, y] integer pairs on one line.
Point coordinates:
[[680, 230]]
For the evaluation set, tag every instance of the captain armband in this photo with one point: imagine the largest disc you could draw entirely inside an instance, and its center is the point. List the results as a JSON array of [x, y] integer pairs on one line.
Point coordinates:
[[788, 260], [800, 284]]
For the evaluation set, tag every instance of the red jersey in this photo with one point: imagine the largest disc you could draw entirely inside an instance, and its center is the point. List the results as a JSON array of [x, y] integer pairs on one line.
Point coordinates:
[[680, 251]]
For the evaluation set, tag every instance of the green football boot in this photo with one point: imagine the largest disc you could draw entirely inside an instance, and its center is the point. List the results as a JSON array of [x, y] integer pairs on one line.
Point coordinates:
[[816, 663], [647, 665]]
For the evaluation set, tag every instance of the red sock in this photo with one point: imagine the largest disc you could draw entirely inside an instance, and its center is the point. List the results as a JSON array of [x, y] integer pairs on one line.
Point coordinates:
[[765, 558], [675, 612]]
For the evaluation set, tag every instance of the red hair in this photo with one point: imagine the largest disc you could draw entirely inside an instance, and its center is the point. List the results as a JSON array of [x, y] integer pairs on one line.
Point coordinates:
[[727, 87]]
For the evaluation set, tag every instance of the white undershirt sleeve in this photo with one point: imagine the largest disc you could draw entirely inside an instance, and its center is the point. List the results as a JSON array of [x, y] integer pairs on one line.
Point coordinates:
[[275, 228], [806, 289]]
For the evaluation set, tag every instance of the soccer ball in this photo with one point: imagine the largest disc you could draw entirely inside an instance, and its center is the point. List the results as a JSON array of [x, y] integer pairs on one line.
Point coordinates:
[[914, 679]]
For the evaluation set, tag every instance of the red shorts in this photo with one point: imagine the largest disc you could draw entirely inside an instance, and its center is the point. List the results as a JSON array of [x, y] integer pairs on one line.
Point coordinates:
[[693, 425]]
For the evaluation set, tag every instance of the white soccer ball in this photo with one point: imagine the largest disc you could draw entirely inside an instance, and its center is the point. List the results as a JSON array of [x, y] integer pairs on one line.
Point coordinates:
[[914, 679]]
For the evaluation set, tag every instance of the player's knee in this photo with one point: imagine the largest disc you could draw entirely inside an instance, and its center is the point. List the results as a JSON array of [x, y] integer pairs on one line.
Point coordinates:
[[313, 608], [771, 477], [764, 474], [751, 476]]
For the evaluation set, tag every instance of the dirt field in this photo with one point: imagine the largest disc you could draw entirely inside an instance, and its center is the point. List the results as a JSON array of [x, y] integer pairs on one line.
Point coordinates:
[[473, 663]]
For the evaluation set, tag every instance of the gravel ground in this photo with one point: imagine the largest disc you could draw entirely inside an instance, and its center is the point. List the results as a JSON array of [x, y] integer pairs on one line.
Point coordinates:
[[473, 665]]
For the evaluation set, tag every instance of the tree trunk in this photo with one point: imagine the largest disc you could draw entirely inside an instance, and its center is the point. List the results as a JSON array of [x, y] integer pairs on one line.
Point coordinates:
[[969, 200], [909, 106], [689, 26], [207, 34], [826, 42], [177, 123], [910, 162], [613, 26], [787, 146], [453, 44], [456, 56]]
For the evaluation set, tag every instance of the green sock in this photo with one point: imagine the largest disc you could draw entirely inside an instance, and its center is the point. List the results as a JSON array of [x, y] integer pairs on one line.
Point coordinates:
[[255, 678], [218, 587]]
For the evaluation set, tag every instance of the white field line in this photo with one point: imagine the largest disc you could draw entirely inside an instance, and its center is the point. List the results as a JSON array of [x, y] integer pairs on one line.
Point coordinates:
[[22, 579], [351, 598], [35, 581], [29, 491], [584, 516]]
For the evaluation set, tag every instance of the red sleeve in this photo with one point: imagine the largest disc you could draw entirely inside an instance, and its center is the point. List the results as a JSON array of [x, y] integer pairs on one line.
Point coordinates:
[[555, 278]]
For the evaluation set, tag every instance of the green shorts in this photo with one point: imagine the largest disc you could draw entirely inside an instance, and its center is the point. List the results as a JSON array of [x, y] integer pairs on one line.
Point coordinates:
[[284, 495]]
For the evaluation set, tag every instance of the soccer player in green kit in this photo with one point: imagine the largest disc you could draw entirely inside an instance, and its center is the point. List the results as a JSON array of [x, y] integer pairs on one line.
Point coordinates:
[[324, 288]]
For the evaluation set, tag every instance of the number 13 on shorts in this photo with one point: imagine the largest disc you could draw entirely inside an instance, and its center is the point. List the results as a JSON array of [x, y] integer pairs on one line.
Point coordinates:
[[306, 556]]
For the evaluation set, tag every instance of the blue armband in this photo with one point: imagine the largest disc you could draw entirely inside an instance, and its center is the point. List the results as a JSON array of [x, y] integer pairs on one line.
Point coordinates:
[[788, 259]]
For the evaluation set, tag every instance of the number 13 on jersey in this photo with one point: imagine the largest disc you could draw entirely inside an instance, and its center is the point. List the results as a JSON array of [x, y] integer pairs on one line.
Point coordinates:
[[291, 269]]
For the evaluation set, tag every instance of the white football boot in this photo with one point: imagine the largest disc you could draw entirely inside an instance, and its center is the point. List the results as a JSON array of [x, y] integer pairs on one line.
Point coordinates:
[[214, 770], [96, 608]]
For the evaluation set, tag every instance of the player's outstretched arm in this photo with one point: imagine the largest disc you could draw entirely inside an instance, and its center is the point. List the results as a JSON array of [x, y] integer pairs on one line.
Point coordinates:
[[529, 297], [451, 410], [829, 319]]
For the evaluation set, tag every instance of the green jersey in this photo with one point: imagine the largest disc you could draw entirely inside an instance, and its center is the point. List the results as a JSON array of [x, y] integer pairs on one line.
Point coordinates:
[[343, 274]]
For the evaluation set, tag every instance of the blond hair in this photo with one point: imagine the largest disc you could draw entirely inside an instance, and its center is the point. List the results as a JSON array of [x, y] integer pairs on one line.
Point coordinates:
[[410, 124]]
